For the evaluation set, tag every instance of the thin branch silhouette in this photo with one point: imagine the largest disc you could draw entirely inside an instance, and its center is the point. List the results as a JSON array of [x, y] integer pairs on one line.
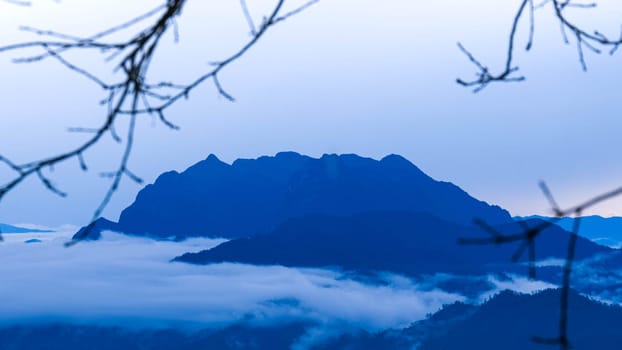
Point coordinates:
[[527, 238], [594, 41], [131, 96], [136, 95]]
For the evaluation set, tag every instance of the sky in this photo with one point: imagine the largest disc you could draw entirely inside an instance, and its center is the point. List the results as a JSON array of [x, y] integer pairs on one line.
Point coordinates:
[[350, 76]]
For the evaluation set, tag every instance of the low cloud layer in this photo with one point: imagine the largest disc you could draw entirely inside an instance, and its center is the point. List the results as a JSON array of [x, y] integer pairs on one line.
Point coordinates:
[[125, 279], [129, 281]]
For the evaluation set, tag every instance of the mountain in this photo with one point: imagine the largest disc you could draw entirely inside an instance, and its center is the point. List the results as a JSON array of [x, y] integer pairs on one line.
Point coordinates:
[[506, 321], [253, 196], [80, 337], [402, 242], [509, 321], [605, 231], [14, 229], [93, 230]]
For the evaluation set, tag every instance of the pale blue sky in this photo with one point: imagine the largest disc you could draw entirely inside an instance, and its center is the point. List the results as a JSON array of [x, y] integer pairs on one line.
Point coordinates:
[[348, 76]]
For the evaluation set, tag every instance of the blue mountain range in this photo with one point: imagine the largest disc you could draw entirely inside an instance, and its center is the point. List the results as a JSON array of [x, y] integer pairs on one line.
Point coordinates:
[[341, 211], [254, 196], [356, 214], [403, 242]]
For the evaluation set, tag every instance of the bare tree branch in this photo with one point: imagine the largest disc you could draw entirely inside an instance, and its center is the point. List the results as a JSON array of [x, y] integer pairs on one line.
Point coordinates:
[[528, 236], [135, 94], [594, 41]]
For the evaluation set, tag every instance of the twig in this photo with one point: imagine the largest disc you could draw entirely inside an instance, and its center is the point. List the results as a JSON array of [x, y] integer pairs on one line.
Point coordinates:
[[528, 236], [134, 95], [593, 40]]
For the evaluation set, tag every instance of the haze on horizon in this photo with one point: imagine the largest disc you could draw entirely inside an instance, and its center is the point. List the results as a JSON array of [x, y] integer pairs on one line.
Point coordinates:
[[373, 79]]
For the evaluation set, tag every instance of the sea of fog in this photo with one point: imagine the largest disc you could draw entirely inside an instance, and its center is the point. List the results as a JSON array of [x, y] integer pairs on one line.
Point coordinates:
[[130, 281]]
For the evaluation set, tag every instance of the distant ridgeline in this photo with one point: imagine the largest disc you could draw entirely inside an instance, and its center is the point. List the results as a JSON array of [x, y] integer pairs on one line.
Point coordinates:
[[605, 231], [402, 242], [339, 210], [14, 229]]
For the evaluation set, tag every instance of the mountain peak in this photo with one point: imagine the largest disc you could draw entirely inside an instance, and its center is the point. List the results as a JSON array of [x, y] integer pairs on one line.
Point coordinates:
[[252, 196], [397, 160], [212, 158], [288, 154]]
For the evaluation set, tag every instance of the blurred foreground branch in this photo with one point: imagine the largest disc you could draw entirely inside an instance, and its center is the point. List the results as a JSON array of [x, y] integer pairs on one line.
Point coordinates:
[[135, 94], [572, 33], [527, 238]]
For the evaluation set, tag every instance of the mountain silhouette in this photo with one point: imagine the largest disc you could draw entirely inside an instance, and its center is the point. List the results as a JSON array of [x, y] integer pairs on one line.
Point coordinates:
[[253, 196], [93, 230], [510, 321], [605, 231], [401, 242], [4, 228], [507, 321]]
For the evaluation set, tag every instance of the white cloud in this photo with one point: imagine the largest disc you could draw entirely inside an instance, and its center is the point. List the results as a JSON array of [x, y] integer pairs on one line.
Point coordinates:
[[550, 262], [129, 280], [519, 284]]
